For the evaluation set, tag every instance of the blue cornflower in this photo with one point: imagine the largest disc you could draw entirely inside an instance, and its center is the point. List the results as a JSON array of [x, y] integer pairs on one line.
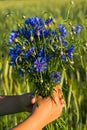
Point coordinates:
[[69, 51], [35, 22], [76, 29], [37, 32], [63, 41], [12, 37], [40, 32], [11, 51], [40, 64], [14, 53], [12, 61], [41, 22], [18, 49], [62, 30], [25, 33], [46, 32], [29, 52], [63, 57], [41, 53], [28, 33], [54, 32], [48, 21], [55, 77], [28, 21], [21, 72]]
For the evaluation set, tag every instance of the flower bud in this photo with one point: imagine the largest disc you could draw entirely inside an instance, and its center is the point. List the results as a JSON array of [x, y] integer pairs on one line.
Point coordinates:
[[31, 38], [19, 25], [54, 21], [72, 2], [45, 26], [24, 47], [23, 17], [15, 40]]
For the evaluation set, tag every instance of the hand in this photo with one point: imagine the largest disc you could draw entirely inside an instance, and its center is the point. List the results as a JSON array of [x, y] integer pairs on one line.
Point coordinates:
[[46, 111], [49, 109]]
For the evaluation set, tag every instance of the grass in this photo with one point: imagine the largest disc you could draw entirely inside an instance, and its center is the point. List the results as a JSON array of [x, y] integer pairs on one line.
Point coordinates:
[[74, 82]]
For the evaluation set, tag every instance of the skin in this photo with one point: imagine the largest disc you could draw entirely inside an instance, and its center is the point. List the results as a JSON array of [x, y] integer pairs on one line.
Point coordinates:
[[46, 111]]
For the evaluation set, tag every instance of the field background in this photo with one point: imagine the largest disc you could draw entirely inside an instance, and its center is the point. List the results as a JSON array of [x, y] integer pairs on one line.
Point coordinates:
[[74, 82]]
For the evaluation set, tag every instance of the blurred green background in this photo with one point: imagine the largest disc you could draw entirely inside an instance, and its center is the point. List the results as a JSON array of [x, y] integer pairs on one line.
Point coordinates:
[[75, 82]]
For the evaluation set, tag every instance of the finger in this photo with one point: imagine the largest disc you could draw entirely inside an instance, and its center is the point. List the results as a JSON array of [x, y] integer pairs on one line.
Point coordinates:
[[39, 98], [62, 101], [33, 100], [63, 105], [60, 95], [56, 89]]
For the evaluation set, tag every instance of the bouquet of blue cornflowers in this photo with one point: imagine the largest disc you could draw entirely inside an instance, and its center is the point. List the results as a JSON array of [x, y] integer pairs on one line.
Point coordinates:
[[40, 49]]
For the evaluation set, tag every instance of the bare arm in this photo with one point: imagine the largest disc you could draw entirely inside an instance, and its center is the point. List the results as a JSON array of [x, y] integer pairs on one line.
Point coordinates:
[[15, 104]]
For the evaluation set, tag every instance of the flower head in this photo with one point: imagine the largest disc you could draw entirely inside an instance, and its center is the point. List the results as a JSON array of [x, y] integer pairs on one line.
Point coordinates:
[[55, 77], [63, 41], [76, 29], [40, 64], [41, 53], [14, 53], [29, 52], [69, 51], [63, 57], [35, 22], [62, 30], [12, 37], [48, 21]]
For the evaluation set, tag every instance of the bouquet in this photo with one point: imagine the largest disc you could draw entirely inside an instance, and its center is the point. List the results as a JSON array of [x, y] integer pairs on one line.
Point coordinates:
[[40, 49]]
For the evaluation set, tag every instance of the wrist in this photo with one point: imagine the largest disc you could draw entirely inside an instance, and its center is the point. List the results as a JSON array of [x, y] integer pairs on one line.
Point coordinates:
[[38, 121], [39, 118]]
